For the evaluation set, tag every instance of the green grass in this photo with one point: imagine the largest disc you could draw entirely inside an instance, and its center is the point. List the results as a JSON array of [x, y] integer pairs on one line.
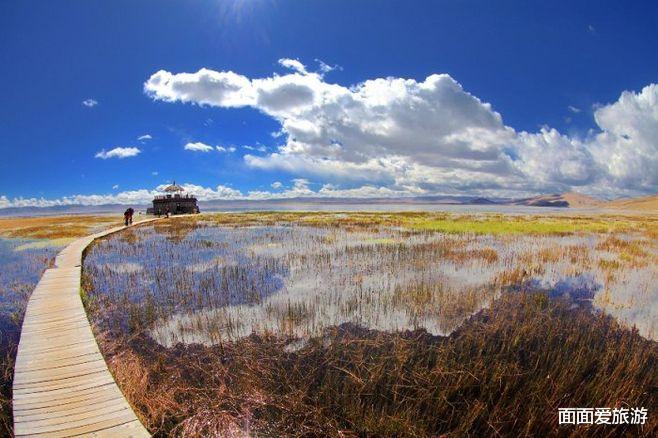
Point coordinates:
[[488, 223], [510, 225]]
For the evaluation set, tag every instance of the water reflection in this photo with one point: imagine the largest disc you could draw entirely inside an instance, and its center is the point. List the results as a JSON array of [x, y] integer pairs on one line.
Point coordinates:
[[21, 265], [209, 284]]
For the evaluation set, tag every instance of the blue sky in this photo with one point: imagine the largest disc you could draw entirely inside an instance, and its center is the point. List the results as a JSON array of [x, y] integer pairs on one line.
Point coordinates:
[[529, 99]]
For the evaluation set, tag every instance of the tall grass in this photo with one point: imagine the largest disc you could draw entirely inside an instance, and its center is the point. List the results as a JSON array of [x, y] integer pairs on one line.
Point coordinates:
[[506, 371]]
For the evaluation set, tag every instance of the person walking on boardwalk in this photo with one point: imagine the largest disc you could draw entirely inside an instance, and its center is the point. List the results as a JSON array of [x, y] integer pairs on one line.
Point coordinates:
[[128, 216]]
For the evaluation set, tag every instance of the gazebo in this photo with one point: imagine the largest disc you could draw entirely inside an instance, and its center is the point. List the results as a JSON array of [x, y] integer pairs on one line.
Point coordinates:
[[173, 201]]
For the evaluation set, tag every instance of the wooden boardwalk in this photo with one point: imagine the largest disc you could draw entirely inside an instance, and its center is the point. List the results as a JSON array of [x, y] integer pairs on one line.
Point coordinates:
[[62, 386]]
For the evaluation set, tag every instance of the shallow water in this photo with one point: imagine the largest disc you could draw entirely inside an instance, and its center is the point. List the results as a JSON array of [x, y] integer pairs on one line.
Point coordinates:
[[20, 270], [210, 284]]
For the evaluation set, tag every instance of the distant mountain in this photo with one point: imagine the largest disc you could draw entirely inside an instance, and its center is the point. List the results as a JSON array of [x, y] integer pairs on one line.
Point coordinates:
[[578, 200], [482, 201], [648, 204], [571, 199], [541, 201]]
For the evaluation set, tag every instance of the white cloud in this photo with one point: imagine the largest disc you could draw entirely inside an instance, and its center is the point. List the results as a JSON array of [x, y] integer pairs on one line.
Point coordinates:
[[228, 149], [627, 146], [118, 152], [155, 173], [205, 87], [428, 136], [276, 185], [144, 137], [89, 103], [198, 147], [573, 109], [202, 147], [293, 64], [115, 186], [300, 188], [326, 68]]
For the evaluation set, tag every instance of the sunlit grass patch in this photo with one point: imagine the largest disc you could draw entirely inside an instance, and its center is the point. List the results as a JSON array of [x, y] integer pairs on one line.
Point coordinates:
[[483, 223], [55, 227], [45, 243], [516, 225]]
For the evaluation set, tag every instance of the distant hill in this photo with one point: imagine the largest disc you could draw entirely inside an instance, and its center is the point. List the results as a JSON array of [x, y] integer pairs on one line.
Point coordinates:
[[571, 199], [577, 200], [482, 201], [555, 200], [647, 204]]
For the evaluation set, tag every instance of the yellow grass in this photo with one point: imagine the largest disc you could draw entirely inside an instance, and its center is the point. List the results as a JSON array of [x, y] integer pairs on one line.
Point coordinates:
[[55, 227]]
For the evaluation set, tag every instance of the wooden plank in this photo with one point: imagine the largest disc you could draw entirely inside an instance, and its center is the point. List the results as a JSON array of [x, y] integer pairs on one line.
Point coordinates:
[[62, 386], [61, 372], [58, 427], [56, 418], [57, 362], [57, 355], [132, 429], [64, 407], [56, 398]]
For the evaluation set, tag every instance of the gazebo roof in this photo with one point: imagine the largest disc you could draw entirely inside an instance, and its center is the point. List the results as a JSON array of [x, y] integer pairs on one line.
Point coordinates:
[[174, 188]]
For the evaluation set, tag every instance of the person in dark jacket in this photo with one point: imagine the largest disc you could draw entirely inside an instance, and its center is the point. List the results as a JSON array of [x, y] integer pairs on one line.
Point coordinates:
[[128, 216]]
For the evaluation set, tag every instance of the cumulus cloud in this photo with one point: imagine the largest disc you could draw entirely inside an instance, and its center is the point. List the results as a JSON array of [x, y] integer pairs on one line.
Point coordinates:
[[276, 185], [118, 152], [427, 136], [89, 103], [205, 87], [198, 147], [627, 147], [144, 137]]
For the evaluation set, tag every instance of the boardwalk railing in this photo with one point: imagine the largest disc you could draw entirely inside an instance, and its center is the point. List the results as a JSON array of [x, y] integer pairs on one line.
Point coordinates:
[[62, 386]]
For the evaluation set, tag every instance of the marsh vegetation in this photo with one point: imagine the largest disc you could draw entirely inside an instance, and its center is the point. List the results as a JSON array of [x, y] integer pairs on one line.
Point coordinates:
[[386, 324]]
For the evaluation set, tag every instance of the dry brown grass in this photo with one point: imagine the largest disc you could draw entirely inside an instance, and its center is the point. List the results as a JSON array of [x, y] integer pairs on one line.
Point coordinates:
[[55, 227], [505, 372]]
